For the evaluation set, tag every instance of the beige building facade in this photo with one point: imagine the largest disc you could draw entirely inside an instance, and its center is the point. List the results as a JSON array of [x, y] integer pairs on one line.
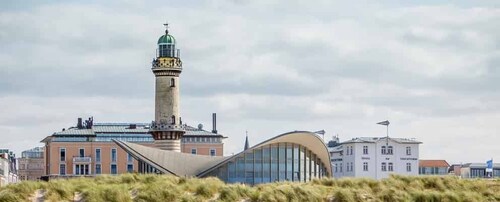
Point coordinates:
[[88, 158], [88, 149], [31, 164]]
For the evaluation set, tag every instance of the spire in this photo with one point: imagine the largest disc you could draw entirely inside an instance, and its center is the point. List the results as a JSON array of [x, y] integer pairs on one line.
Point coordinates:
[[246, 141]]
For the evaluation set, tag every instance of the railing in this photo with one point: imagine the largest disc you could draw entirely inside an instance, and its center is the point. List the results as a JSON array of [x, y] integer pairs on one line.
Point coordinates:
[[166, 62], [165, 126], [84, 159]]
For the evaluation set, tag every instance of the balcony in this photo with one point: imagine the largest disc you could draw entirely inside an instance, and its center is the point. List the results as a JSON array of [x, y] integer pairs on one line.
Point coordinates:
[[82, 159], [173, 63], [167, 126]]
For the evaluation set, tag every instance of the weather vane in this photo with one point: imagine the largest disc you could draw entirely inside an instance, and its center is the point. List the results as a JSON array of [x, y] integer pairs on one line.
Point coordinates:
[[166, 27]]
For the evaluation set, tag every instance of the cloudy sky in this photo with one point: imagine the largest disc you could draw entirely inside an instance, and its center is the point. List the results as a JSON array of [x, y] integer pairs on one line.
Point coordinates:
[[269, 67]]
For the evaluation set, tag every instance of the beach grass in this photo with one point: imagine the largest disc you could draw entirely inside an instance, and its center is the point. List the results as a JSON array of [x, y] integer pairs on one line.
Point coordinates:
[[141, 187]]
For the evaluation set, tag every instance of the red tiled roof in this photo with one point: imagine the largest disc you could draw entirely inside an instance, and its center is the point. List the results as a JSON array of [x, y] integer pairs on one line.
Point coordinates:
[[433, 163]]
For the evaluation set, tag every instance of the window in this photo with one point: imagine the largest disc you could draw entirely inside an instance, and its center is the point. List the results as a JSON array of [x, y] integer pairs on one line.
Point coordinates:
[[98, 170], [352, 166], [389, 150], [81, 169], [62, 154], [384, 167], [82, 152], [167, 50], [347, 150], [173, 119], [340, 167], [193, 151], [130, 168], [113, 169], [77, 169], [391, 167], [172, 82], [336, 168], [365, 149], [351, 151], [212, 152], [113, 155], [408, 150], [98, 155], [129, 158], [383, 150], [408, 167], [365, 166], [62, 169]]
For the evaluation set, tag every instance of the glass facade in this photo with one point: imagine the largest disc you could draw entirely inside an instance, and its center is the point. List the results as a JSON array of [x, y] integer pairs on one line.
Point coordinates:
[[129, 137], [271, 163], [37, 152]]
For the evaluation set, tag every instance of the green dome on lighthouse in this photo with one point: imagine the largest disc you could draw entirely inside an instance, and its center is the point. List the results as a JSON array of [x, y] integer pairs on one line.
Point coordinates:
[[166, 39]]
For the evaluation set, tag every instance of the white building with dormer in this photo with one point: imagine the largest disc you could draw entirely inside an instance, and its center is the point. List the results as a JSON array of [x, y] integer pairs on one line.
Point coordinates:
[[374, 157]]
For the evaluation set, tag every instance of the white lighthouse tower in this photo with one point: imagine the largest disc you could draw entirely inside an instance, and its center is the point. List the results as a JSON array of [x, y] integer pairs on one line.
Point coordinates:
[[167, 129]]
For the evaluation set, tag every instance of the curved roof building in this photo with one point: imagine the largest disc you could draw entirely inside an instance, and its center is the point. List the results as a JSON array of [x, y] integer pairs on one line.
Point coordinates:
[[293, 156]]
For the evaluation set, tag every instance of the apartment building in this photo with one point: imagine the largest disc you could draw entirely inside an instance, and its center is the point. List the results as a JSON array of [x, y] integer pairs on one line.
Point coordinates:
[[88, 148], [31, 164], [8, 168], [375, 157]]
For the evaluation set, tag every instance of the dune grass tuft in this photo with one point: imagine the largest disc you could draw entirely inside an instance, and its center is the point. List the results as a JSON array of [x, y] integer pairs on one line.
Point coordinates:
[[141, 188]]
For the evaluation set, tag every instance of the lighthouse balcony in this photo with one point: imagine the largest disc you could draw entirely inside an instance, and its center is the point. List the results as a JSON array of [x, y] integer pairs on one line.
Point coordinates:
[[166, 126], [167, 62]]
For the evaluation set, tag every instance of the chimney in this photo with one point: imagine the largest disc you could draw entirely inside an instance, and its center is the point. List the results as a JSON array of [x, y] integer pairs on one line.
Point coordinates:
[[214, 123], [79, 125]]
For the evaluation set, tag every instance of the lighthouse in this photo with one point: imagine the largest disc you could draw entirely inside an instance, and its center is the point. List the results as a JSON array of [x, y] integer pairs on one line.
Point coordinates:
[[167, 128]]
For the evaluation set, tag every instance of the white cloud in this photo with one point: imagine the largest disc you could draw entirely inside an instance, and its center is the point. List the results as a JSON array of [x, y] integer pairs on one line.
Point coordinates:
[[264, 66]]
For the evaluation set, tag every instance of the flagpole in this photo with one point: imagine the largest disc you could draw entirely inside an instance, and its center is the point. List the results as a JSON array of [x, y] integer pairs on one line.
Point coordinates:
[[386, 123], [387, 138]]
